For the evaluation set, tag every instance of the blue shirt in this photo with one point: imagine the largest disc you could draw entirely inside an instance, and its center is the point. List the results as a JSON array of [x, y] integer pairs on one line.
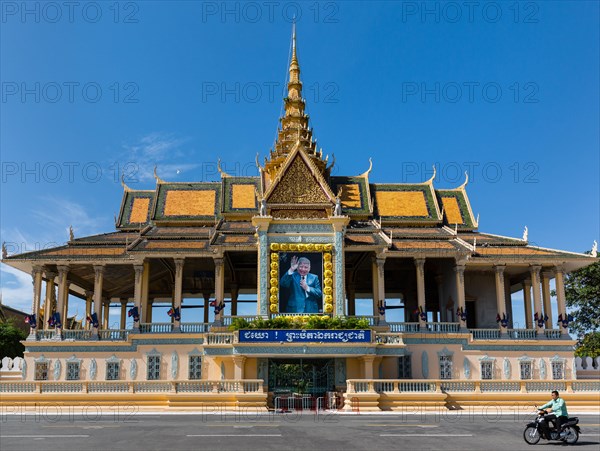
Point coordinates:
[[558, 406]]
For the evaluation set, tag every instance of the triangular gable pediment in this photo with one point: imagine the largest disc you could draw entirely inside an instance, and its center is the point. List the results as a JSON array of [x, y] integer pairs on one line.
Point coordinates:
[[299, 182]]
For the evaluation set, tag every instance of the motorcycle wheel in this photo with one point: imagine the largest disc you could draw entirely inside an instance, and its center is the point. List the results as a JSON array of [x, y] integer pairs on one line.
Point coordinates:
[[531, 435], [571, 435]]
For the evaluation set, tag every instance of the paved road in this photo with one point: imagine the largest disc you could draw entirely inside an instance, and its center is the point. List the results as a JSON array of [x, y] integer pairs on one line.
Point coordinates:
[[126, 429]]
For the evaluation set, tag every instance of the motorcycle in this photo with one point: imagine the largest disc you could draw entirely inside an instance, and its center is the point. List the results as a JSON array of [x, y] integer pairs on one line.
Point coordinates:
[[540, 428]]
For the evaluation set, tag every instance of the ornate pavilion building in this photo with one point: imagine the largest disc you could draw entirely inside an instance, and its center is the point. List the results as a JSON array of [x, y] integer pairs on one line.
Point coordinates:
[[247, 236]]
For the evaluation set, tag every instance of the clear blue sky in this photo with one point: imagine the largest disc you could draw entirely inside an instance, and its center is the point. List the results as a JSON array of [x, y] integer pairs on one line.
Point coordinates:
[[508, 91]]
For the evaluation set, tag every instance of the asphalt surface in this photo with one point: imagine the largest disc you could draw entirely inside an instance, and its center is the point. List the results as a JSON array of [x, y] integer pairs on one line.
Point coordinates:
[[126, 428]]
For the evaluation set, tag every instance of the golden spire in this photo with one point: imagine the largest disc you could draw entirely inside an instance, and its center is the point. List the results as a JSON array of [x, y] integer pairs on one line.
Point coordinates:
[[294, 123]]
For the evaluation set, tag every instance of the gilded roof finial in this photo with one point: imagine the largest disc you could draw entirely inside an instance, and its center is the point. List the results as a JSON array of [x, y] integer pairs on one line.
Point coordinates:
[[366, 173], [220, 169], [158, 179], [125, 187]]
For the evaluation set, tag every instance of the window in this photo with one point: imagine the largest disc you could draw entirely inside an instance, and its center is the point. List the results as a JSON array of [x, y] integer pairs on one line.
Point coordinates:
[[195, 367], [112, 371], [525, 370], [153, 367], [487, 370], [41, 371], [404, 367], [558, 370], [72, 371], [445, 367]]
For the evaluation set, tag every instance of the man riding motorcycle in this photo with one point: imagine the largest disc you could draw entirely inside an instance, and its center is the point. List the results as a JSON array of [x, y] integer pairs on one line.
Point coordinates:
[[559, 415]]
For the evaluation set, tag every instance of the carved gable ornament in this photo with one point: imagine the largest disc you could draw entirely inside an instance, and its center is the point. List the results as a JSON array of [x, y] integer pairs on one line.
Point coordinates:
[[299, 182]]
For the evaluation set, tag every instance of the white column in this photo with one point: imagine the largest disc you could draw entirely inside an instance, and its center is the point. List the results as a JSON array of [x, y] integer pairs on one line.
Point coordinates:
[[36, 275], [560, 297], [50, 299], [123, 313], [137, 292], [98, 281], [420, 265], [177, 294], [378, 286], [219, 285], [459, 271], [527, 302], [238, 367], [537, 294], [89, 299], [63, 293], [500, 293], [546, 276]]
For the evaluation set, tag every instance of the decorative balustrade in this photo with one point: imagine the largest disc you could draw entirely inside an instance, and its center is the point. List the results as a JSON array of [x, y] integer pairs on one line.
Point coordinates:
[[553, 334], [499, 386], [80, 334], [579, 386], [196, 387], [537, 386], [404, 327], [227, 320], [58, 387], [18, 387], [200, 386], [152, 387], [485, 334], [156, 328], [391, 339], [114, 334], [48, 334], [457, 386], [522, 334], [194, 328], [108, 387], [442, 327], [219, 339], [392, 386]]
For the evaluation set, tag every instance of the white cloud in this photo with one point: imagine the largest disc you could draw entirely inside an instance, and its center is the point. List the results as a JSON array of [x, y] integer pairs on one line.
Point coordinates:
[[17, 290], [156, 149]]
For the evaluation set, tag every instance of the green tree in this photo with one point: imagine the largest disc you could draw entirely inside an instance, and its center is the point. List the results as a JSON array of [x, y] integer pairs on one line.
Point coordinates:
[[10, 340], [589, 346], [582, 291]]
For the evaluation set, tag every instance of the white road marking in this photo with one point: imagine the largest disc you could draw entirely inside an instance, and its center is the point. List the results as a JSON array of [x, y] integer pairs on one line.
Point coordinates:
[[43, 436], [426, 435], [233, 435]]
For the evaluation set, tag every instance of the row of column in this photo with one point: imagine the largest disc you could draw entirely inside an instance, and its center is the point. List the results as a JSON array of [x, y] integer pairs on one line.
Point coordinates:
[[378, 286], [539, 280], [59, 302]]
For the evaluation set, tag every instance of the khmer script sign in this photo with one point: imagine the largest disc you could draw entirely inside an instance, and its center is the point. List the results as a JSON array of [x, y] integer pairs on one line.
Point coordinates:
[[305, 336]]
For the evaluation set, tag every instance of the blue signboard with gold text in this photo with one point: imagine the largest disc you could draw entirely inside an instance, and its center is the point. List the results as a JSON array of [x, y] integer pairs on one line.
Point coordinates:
[[304, 336]]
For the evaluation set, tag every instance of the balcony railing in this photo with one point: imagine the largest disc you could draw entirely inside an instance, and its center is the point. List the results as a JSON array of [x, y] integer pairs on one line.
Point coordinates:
[[227, 320], [484, 386], [156, 328], [404, 327], [443, 327], [201, 386], [485, 334], [194, 328], [522, 334]]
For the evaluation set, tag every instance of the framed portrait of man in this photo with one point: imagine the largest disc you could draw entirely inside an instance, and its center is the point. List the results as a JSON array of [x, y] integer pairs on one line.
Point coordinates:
[[300, 282]]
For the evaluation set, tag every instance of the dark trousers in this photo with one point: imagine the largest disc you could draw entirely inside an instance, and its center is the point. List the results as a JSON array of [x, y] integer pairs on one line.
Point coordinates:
[[558, 421]]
